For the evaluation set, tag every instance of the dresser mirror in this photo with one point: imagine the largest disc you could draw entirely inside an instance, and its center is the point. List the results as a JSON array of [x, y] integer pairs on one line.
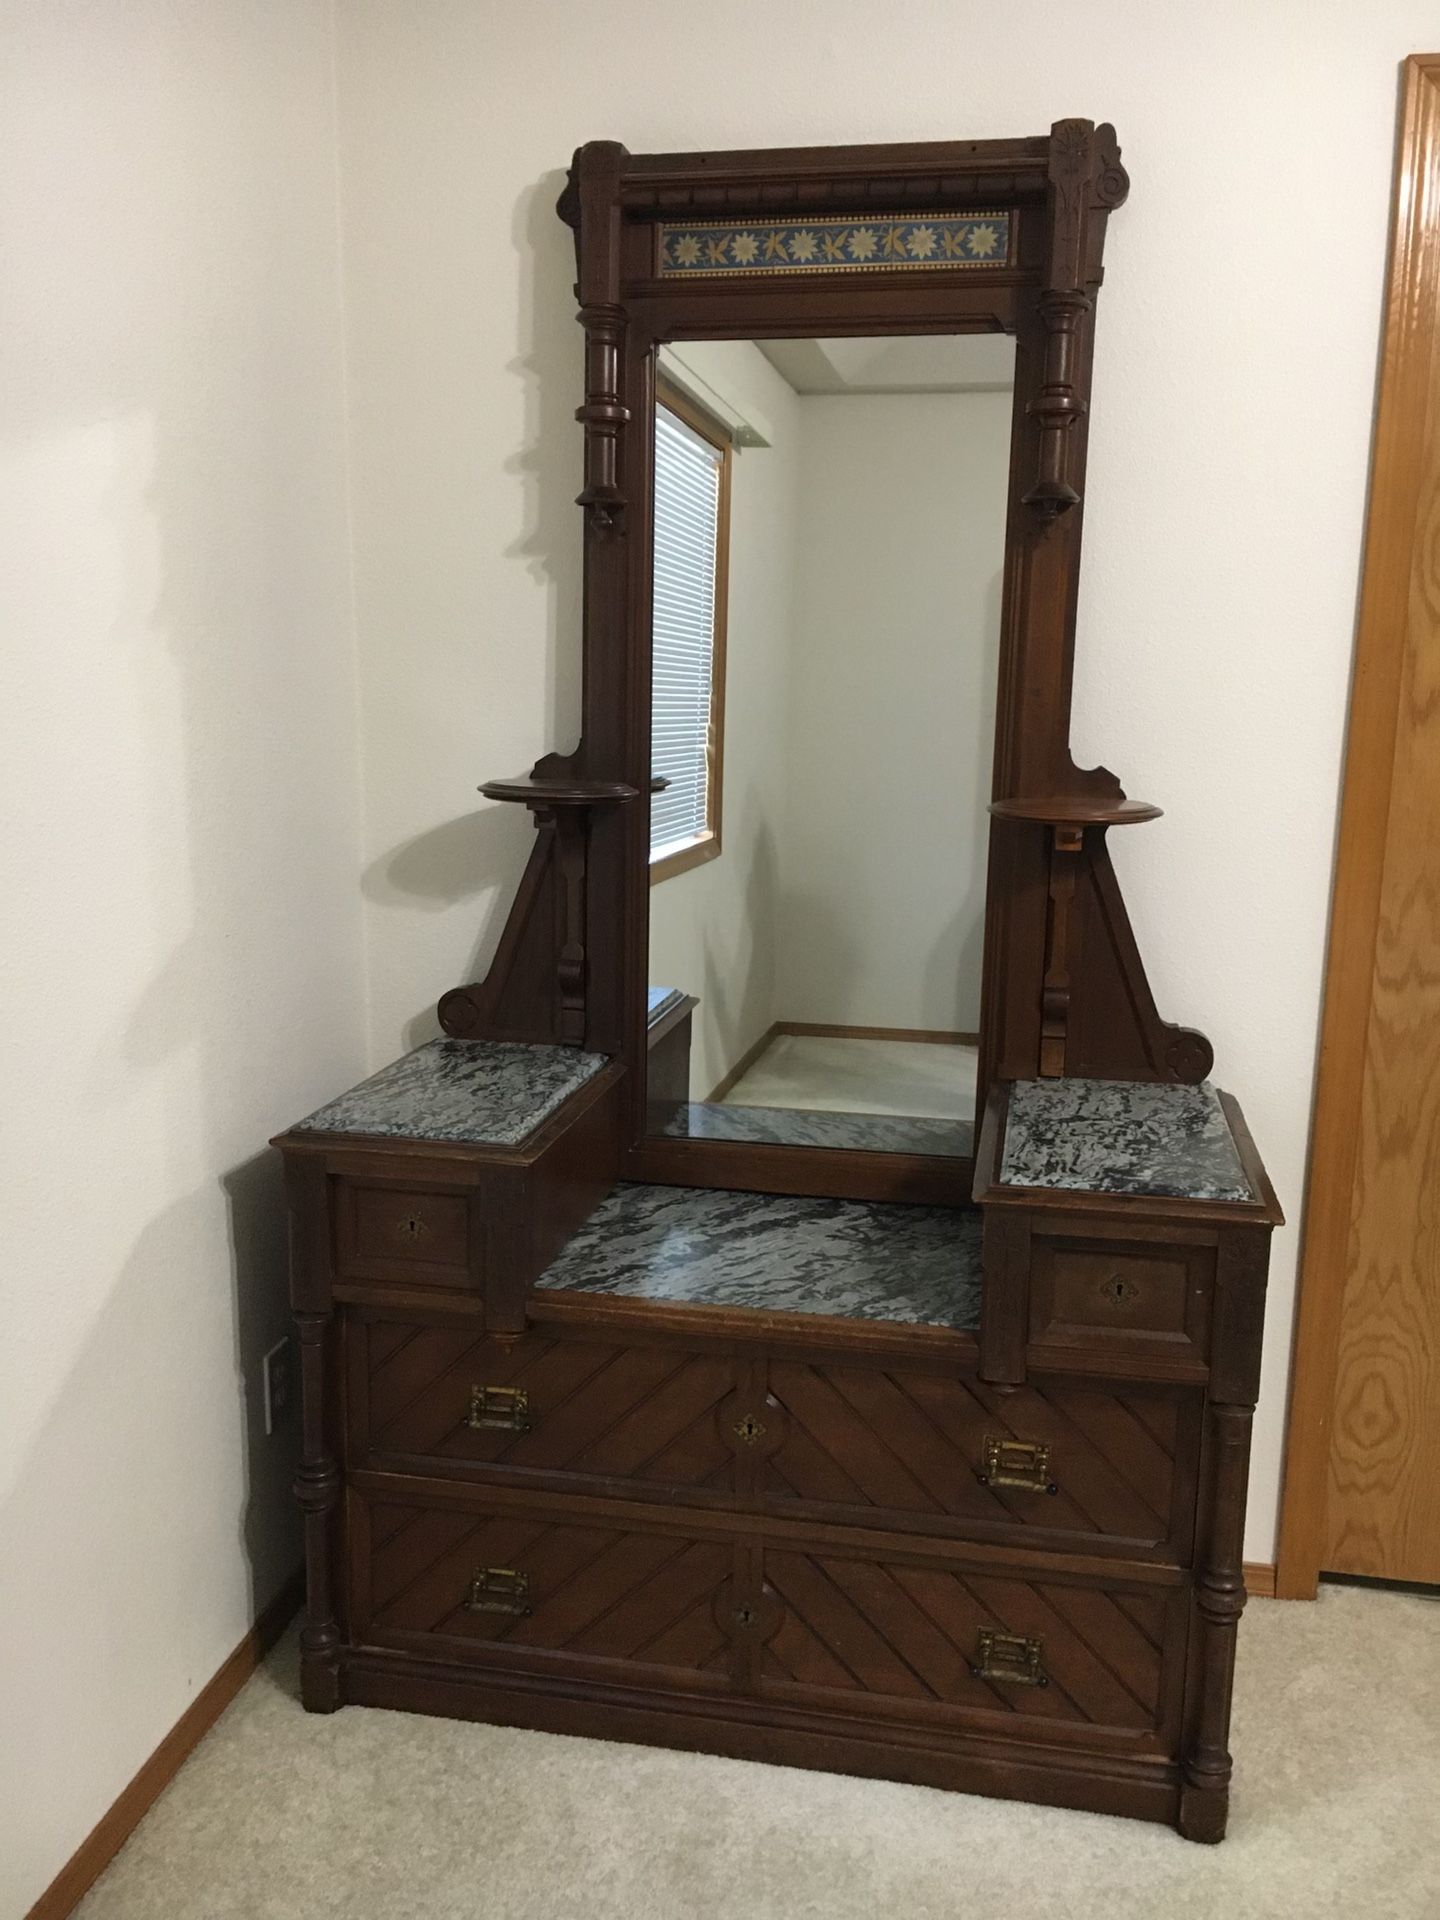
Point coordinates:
[[828, 550], [822, 870]]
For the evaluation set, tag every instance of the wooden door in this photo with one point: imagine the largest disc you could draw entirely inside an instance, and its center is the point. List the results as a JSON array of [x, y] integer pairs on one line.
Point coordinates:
[[1383, 1499], [1362, 1487]]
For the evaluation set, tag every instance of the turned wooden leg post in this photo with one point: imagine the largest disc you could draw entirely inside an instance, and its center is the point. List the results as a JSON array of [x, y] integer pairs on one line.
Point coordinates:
[[1219, 1602], [1236, 1332], [317, 1480], [317, 1488]]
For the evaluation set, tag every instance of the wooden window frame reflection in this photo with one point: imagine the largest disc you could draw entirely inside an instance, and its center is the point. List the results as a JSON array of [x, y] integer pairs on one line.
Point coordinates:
[[708, 844]]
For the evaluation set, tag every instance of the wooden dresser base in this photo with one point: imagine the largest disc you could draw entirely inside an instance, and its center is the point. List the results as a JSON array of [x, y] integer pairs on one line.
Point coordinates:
[[1003, 1562]]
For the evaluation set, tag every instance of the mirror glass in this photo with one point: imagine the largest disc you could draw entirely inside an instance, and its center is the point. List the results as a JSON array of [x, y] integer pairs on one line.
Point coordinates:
[[829, 547]]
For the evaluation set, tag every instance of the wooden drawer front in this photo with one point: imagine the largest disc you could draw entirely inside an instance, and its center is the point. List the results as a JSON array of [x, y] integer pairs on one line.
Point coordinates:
[[1092, 1658], [652, 1415], [910, 1442], [1112, 1294], [536, 1592], [385, 1231]]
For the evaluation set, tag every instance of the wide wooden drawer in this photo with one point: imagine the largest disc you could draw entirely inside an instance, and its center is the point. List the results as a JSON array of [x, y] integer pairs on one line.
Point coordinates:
[[423, 1395], [1058, 1463], [1071, 1463], [822, 1621]]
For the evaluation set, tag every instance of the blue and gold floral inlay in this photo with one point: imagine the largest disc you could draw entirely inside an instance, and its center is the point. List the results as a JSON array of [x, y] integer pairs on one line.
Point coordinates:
[[884, 243]]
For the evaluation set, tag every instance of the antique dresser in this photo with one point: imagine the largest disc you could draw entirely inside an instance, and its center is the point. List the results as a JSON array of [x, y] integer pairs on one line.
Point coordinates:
[[894, 1433]]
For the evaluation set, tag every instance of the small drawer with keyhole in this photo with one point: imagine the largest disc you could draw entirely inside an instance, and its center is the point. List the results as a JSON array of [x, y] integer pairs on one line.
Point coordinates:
[[386, 1231], [1109, 1295]]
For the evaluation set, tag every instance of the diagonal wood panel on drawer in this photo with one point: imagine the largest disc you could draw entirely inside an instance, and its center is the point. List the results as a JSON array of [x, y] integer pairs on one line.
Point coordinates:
[[1077, 1661], [524, 1592], [573, 1406], [1079, 1460]]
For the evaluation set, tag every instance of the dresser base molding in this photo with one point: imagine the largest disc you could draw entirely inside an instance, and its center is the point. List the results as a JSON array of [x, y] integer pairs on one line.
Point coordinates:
[[1142, 1789]]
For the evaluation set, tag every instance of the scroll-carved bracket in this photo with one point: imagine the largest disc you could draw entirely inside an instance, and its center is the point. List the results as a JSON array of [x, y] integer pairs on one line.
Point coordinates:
[[1098, 1019], [542, 957]]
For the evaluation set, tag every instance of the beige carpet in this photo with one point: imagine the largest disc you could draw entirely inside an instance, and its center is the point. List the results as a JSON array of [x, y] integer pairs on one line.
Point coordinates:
[[381, 1816]]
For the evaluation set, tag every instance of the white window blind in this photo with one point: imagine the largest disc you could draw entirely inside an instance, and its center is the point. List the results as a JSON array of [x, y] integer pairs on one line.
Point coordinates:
[[687, 511]]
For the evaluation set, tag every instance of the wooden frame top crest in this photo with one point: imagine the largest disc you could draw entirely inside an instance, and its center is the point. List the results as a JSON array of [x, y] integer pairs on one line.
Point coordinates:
[[954, 236]]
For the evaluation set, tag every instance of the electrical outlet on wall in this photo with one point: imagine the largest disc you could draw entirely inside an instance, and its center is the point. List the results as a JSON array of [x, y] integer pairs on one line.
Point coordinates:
[[275, 1378]]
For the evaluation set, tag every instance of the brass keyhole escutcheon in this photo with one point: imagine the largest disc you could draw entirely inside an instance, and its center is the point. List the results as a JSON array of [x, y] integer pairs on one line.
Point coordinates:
[[411, 1227], [746, 1616], [749, 1430], [1118, 1288]]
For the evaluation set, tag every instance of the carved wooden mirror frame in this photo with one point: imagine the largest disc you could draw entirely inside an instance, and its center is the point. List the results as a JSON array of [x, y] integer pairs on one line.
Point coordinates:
[[1064, 991]]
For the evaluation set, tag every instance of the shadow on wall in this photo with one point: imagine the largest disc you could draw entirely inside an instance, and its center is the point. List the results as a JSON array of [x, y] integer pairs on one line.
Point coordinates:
[[480, 856], [551, 366], [248, 985], [184, 643]]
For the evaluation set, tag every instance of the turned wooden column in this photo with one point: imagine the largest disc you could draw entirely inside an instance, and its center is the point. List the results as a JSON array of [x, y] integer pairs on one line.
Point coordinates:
[[1219, 1595], [1219, 1602], [317, 1480]]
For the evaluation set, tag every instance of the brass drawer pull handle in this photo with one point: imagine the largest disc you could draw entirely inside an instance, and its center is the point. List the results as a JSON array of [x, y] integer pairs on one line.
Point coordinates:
[[504, 1407], [1010, 1658], [1016, 1463], [499, 1590]]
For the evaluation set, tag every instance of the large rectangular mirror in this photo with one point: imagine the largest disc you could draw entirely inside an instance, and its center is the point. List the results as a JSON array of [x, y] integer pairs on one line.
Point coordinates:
[[828, 553]]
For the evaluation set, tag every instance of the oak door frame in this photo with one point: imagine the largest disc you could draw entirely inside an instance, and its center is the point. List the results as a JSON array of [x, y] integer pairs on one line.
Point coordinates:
[[1410, 342]]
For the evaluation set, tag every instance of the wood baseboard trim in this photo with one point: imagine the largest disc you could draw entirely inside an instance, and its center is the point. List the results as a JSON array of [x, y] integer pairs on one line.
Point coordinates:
[[115, 1827], [1259, 1580], [820, 1030], [742, 1066]]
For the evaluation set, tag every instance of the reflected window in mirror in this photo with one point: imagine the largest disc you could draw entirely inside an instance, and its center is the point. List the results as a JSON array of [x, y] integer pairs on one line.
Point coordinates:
[[819, 984], [687, 649]]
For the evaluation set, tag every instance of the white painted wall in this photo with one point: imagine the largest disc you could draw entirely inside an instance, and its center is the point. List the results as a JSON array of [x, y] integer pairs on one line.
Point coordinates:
[[901, 548], [180, 974], [715, 931]]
